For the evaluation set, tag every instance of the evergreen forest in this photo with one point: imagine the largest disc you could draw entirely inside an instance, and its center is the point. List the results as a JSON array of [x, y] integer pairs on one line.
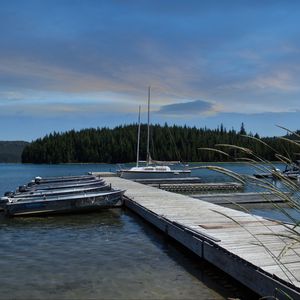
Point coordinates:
[[118, 145]]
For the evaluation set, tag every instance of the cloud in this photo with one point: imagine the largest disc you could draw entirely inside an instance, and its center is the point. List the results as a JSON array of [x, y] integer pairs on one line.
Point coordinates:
[[243, 55], [188, 108], [11, 96], [59, 109]]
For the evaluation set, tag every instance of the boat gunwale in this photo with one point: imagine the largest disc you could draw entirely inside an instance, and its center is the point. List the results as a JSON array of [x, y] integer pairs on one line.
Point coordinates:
[[66, 198]]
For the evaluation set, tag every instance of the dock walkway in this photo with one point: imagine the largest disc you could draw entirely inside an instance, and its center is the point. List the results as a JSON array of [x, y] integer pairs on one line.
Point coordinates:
[[242, 245], [241, 198]]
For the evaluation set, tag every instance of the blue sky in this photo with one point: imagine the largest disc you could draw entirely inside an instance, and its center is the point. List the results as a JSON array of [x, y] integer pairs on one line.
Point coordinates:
[[68, 64]]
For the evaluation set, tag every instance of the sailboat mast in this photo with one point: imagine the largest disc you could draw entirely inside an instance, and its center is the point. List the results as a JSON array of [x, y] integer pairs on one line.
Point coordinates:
[[148, 129], [138, 141]]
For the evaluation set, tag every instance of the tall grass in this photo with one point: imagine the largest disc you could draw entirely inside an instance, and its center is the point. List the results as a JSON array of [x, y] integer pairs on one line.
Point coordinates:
[[288, 192]]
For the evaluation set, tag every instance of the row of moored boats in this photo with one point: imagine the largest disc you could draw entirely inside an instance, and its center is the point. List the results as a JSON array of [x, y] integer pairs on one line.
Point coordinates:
[[67, 194], [292, 171]]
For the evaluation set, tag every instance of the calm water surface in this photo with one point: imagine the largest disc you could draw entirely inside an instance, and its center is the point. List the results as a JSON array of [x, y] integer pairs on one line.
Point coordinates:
[[108, 255]]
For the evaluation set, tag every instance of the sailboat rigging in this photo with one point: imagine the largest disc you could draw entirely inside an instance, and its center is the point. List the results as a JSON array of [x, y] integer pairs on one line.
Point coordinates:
[[149, 171], [138, 141], [148, 129]]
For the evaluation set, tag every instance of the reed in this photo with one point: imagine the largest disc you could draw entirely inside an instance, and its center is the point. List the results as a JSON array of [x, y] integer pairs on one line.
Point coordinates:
[[289, 192]]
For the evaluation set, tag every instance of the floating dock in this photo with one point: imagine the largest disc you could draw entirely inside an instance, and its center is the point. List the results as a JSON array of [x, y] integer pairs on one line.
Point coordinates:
[[169, 180], [241, 198], [197, 187], [182, 185], [190, 185], [244, 246]]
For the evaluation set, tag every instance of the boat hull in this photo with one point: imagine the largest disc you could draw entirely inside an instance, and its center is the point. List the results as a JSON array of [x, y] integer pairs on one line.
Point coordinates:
[[2, 204], [58, 192], [64, 185], [43, 180], [64, 205], [132, 175]]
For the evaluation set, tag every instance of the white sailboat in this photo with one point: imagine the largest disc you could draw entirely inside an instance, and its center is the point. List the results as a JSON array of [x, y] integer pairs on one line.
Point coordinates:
[[151, 171]]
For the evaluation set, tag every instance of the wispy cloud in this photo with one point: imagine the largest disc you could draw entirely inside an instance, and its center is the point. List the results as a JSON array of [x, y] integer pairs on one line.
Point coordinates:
[[244, 56], [56, 109], [11, 96], [189, 108]]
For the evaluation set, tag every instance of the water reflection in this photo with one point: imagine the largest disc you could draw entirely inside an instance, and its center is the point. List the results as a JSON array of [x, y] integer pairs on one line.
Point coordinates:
[[107, 255], [199, 270]]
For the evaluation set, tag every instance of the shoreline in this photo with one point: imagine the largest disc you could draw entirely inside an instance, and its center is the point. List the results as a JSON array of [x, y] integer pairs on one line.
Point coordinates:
[[125, 163]]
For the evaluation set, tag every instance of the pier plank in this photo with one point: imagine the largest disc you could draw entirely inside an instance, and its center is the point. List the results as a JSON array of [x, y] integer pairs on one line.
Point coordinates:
[[227, 238], [241, 198]]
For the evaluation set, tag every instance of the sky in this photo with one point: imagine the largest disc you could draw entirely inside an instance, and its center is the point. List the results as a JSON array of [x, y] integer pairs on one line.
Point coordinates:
[[73, 64]]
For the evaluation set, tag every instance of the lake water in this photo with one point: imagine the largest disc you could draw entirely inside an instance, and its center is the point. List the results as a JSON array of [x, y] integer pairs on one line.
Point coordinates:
[[107, 255]]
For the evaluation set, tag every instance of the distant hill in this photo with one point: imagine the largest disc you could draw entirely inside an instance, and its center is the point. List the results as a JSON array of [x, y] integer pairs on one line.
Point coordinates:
[[11, 151]]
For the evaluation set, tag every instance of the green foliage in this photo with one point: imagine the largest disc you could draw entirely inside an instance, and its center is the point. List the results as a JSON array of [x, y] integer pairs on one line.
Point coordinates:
[[118, 145], [11, 151]]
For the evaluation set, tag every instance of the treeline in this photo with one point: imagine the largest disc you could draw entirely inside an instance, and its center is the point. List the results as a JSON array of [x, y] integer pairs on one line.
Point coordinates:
[[118, 145], [11, 151]]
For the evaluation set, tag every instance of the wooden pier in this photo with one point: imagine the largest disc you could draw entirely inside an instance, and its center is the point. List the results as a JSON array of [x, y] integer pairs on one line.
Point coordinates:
[[244, 246], [241, 198], [104, 174]]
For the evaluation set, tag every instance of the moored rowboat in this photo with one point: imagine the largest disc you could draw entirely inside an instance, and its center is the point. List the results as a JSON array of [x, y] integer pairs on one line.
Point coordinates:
[[57, 192], [40, 180], [35, 195], [65, 204], [62, 185]]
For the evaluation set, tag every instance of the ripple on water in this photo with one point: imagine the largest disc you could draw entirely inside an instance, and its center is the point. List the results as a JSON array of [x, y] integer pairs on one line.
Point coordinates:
[[107, 255]]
